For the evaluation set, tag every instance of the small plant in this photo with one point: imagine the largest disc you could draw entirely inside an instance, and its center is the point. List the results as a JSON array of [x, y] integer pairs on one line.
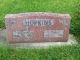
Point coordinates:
[[75, 26], [2, 24]]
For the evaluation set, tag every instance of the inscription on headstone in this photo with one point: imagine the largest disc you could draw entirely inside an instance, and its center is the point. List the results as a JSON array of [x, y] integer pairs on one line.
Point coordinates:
[[53, 33], [37, 27], [38, 22]]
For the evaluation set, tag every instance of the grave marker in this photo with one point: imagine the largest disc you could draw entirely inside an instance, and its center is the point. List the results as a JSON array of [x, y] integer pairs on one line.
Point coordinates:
[[37, 27]]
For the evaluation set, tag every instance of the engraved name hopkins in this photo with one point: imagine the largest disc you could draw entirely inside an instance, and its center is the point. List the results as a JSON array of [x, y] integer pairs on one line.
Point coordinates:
[[38, 22]]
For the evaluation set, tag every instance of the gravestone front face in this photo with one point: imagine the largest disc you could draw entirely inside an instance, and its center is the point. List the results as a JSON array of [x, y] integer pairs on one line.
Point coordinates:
[[37, 27]]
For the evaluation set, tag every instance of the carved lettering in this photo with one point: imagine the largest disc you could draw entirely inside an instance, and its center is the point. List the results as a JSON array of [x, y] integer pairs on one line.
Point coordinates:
[[38, 22]]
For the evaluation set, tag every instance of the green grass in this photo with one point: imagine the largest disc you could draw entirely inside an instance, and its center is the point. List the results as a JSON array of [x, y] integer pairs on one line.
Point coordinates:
[[22, 6], [51, 53]]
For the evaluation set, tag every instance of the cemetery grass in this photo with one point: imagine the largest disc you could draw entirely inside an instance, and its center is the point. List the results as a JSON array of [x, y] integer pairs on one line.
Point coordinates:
[[51, 53], [22, 6], [54, 6]]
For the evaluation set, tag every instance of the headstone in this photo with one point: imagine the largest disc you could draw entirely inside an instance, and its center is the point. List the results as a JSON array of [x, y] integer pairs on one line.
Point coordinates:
[[37, 27]]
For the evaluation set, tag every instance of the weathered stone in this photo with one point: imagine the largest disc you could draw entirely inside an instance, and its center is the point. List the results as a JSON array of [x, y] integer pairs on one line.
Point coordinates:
[[37, 27]]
